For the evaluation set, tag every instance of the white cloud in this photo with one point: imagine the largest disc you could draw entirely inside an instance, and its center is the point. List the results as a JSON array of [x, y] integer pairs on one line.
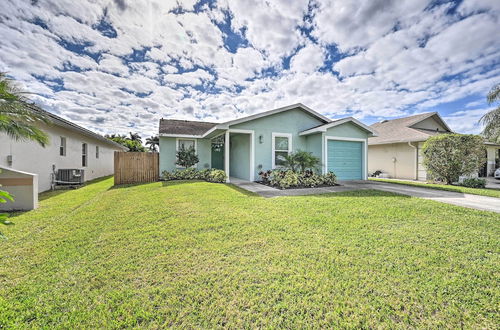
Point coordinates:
[[308, 59], [396, 57]]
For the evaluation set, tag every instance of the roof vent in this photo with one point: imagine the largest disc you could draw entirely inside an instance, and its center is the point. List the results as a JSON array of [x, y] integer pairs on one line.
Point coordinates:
[[384, 121]]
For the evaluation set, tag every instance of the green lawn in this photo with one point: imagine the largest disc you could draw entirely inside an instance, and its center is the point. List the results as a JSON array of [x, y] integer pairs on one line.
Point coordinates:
[[465, 190], [202, 255]]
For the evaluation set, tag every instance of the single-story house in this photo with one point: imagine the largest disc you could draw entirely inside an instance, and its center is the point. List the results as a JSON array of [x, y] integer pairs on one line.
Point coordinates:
[[245, 146], [397, 150], [71, 147]]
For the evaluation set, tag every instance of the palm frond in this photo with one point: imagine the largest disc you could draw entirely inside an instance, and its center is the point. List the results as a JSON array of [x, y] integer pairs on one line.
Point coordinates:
[[494, 94]]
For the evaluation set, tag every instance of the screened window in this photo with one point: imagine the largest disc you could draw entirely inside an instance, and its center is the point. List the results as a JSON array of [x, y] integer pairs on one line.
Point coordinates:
[[62, 146], [185, 144], [97, 152], [84, 154], [282, 146]]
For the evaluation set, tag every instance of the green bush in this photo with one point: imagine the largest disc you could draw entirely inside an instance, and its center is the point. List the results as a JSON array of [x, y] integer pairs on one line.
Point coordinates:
[[474, 183], [330, 179], [287, 179], [301, 161], [310, 179], [449, 156], [187, 157], [216, 176], [284, 179], [210, 175]]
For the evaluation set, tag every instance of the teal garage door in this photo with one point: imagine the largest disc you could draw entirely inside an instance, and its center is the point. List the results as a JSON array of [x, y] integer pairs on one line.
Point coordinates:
[[345, 159]]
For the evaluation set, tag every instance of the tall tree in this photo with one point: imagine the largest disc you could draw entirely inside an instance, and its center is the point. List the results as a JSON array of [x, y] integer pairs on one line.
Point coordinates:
[[125, 140], [18, 117], [153, 142], [491, 120], [135, 137]]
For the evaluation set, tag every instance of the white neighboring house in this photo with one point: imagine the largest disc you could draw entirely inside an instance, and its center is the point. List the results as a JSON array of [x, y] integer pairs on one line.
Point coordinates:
[[70, 147]]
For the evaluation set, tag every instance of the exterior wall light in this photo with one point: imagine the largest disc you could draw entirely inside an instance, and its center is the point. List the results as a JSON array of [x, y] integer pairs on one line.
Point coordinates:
[[261, 139]]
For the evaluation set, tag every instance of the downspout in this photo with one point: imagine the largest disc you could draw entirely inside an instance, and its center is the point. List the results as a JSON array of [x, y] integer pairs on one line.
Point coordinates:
[[416, 159]]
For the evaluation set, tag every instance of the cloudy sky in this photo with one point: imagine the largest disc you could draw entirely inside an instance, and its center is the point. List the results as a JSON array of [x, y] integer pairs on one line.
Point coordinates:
[[120, 65]]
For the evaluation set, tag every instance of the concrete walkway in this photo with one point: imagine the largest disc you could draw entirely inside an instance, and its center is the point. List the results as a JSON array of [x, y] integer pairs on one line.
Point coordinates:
[[466, 200]]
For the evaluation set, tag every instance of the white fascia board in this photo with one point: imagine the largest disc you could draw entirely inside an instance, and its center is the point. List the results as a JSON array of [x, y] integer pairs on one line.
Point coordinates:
[[325, 127], [181, 136], [278, 110]]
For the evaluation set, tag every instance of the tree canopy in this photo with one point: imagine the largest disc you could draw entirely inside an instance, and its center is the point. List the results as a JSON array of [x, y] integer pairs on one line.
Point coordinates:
[[449, 156], [491, 120]]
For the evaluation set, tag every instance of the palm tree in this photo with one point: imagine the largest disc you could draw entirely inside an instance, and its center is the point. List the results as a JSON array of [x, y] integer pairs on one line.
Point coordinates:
[[153, 142], [18, 116], [491, 120], [135, 137]]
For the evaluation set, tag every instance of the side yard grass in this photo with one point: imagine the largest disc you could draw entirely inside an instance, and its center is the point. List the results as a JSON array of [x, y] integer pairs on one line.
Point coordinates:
[[203, 255], [465, 190]]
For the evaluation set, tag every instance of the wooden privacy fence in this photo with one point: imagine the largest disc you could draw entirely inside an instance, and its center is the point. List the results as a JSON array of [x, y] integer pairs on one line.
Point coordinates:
[[136, 167]]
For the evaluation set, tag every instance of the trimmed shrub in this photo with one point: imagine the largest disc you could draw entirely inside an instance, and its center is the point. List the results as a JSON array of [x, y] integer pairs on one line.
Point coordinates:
[[210, 175], [284, 179], [330, 179], [474, 183], [310, 179], [216, 176], [287, 179]]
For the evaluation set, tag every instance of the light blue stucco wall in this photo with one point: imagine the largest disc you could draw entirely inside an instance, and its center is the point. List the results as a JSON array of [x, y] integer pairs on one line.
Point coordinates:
[[292, 121], [168, 153], [347, 130], [314, 145], [239, 152]]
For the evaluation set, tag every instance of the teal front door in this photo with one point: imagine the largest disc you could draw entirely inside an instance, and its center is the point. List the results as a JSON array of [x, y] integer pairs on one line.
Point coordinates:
[[345, 159]]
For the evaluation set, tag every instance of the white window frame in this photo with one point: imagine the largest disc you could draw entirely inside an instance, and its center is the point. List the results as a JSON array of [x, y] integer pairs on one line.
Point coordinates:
[[97, 152], [177, 140], [62, 144], [290, 148], [85, 154]]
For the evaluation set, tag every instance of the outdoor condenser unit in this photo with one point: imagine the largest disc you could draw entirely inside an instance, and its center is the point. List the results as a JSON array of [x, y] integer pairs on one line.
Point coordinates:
[[70, 176]]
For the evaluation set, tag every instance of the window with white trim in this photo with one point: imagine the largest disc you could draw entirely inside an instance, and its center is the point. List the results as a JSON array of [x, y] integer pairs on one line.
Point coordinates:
[[185, 143], [62, 146], [84, 154], [282, 146]]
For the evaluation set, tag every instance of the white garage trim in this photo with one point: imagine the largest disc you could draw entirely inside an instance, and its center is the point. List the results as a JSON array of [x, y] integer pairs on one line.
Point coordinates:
[[340, 138]]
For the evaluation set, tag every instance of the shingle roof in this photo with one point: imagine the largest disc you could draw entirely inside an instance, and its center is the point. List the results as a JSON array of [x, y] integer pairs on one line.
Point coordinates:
[[400, 130], [56, 120], [184, 127]]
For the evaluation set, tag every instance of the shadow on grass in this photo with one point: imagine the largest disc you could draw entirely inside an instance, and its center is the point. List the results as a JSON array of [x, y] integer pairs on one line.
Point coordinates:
[[62, 189], [355, 193], [172, 183]]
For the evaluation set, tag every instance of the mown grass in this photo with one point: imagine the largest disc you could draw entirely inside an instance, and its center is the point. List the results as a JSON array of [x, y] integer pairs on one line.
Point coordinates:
[[474, 191], [207, 255]]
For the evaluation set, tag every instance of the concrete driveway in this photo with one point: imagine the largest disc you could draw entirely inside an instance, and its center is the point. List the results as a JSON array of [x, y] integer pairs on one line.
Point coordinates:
[[492, 183], [466, 200]]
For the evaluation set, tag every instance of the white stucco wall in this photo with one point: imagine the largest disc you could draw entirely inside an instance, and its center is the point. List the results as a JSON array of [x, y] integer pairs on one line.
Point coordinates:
[[31, 157], [22, 186]]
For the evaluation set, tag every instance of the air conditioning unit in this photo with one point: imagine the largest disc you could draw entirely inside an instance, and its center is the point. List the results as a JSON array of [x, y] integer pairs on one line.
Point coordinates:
[[70, 176]]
